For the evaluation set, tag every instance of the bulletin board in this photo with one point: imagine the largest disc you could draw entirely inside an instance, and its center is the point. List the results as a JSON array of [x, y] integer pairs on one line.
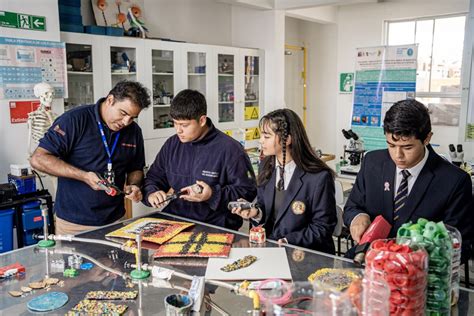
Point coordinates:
[[26, 62]]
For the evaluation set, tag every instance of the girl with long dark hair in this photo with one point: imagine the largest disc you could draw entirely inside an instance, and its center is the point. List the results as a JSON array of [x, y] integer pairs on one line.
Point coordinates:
[[295, 200]]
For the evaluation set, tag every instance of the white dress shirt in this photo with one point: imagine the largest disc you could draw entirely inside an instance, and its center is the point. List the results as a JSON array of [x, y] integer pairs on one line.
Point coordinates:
[[414, 173], [287, 174]]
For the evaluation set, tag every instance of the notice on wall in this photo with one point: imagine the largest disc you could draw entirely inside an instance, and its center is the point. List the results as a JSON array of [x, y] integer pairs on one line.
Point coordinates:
[[26, 62], [19, 110], [384, 75], [346, 82]]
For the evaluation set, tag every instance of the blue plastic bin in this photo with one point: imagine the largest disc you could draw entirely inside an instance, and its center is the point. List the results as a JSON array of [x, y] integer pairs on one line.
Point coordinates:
[[94, 29], [23, 184], [71, 28], [70, 19], [65, 9], [6, 230], [72, 3], [114, 31]]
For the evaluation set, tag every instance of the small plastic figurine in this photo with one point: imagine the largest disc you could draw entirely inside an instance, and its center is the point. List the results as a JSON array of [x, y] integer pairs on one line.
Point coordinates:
[[137, 27]]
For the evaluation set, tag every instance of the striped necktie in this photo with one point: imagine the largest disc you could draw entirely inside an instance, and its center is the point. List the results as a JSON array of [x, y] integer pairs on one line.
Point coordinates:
[[402, 194]]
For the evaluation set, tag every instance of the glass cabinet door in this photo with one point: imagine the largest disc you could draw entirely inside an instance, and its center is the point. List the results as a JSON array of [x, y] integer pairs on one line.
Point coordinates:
[[163, 87], [251, 86], [226, 88], [80, 79], [197, 71], [123, 64]]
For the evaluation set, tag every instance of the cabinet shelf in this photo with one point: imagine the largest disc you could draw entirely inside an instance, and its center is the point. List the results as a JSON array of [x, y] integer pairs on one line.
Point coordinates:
[[226, 75], [155, 105], [196, 74], [123, 73], [163, 74], [251, 101], [226, 102], [246, 75], [80, 73]]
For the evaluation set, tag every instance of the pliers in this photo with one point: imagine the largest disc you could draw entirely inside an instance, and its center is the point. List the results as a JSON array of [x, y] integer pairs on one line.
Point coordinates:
[[108, 187]]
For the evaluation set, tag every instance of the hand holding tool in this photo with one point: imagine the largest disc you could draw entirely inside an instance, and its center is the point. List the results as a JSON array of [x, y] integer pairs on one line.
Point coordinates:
[[195, 187], [108, 187]]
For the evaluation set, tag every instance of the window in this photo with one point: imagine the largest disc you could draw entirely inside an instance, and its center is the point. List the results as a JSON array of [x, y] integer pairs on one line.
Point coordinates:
[[440, 49]]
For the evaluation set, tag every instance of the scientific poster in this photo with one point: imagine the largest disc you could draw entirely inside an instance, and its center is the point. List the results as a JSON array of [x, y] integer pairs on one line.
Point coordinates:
[[26, 62], [384, 75]]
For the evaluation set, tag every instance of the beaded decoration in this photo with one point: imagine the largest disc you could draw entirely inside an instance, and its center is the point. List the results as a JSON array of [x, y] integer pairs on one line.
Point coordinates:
[[338, 279], [111, 295], [154, 229], [239, 264], [197, 244], [92, 307]]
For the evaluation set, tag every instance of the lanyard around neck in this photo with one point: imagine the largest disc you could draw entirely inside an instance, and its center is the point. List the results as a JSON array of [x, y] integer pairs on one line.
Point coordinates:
[[104, 140]]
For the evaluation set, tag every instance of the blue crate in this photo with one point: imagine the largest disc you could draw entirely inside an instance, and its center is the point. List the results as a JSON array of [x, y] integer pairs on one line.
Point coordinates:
[[32, 219], [71, 3], [32, 224], [70, 19], [66, 9], [71, 28], [23, 184], [94, 29], [6, 230], [114, 31]]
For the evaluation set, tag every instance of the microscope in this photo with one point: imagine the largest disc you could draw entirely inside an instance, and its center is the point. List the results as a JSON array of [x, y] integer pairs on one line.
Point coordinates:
[[456, 154], [354, 153]]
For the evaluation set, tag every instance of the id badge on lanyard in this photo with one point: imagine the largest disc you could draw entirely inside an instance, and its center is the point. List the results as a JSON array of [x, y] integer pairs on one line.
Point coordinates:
[[109, 174]]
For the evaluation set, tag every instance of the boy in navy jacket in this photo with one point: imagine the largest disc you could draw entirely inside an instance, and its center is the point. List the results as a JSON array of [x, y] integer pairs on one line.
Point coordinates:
[[199, 153]]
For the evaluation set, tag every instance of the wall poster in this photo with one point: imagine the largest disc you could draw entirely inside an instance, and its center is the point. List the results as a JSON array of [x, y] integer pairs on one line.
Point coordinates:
[[384, 75], [26, 62]]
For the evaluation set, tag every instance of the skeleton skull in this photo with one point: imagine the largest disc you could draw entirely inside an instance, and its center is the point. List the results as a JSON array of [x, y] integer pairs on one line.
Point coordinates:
[[45, 93]]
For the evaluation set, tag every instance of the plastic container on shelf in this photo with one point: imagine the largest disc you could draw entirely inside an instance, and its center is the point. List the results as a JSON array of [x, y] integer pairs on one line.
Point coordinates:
[[435, 238], [405, 269], [455, 263]]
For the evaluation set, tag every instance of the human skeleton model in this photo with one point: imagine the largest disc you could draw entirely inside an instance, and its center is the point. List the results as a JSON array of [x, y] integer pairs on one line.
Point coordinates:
[[40, 120]]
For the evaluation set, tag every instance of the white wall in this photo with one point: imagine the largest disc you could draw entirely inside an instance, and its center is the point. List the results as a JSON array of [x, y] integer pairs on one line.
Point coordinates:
[[294, 66], [194, 21], [362, 26], [14, 137], [264, 30], [321, 44]]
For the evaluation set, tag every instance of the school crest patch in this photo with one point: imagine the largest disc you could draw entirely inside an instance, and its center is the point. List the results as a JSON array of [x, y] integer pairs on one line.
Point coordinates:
[[298, 207]]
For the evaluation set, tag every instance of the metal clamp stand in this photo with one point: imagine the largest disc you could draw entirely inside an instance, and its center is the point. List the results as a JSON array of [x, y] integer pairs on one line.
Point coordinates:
[[138, 273], [45, 243]]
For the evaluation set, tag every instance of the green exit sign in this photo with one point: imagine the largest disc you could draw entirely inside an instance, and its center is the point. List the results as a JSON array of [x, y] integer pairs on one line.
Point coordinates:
[[22, 21]]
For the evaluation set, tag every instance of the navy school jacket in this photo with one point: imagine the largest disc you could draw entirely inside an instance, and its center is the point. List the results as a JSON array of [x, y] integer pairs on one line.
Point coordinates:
[[442, 192], [218, 160], [311, 228]]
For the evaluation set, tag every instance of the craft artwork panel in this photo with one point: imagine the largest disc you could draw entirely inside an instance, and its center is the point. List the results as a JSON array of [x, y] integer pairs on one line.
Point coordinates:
[[197, 244], [114, 13], [154, 229]]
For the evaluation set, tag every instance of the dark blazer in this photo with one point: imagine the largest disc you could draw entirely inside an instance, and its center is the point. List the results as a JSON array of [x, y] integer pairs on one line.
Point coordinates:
[[442, 192], [314, 227]]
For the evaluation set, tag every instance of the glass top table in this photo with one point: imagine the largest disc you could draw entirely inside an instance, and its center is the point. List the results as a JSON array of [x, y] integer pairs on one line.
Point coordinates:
[[110, 265]]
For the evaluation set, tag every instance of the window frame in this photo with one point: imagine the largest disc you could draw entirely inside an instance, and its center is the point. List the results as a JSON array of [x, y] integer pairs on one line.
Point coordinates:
[[424, 94]]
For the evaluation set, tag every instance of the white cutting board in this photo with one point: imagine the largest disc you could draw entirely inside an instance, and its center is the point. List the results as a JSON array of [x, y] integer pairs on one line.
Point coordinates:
[[271, 263]]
